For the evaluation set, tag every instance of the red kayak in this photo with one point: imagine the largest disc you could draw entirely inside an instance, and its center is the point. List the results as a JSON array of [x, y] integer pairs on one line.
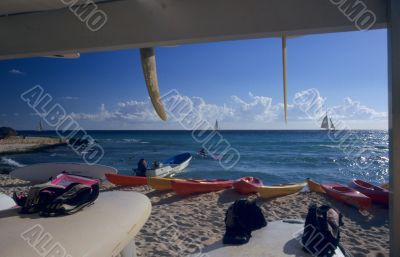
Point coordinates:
[[124, 180], [377, 194], [347, 195], [247, 185], [189, 187]]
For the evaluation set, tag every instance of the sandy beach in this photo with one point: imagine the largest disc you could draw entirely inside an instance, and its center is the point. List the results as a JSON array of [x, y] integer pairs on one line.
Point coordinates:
[[20, 145], [179, 226]]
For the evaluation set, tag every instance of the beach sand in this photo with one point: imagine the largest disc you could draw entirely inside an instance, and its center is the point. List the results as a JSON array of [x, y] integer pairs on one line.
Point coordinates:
[[179, 226]]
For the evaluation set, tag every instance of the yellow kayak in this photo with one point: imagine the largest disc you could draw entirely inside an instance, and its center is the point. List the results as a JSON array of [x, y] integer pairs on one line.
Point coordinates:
[[314, 186], [385, 186], [158, 183], [279, 190]]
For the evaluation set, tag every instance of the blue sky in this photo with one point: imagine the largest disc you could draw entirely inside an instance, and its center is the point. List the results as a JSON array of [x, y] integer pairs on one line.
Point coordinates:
[[237, 82]]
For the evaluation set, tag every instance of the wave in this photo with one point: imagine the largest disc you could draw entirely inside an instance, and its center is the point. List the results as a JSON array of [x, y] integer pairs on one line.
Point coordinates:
[[11, 162], [131, 140]]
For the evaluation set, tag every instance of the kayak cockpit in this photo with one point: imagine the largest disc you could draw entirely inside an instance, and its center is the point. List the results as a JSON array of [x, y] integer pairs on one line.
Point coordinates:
[[368, 185], [342, 189]]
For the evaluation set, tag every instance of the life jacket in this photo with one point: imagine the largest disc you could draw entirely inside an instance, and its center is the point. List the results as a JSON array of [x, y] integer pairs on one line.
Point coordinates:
[[76, 197], [241, 218], [321, 233], [55, 198]]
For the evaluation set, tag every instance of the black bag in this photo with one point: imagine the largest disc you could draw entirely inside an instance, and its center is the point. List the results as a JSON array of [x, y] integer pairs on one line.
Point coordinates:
[[242, 217], [321, 234]]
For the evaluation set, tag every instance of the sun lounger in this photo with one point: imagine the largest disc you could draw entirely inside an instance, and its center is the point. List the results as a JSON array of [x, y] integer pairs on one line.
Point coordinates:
[[277, 239], [104, 229]]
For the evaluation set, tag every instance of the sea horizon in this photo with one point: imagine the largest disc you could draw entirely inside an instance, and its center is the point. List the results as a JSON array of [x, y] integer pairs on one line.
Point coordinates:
[[275, 156], [220, 130]]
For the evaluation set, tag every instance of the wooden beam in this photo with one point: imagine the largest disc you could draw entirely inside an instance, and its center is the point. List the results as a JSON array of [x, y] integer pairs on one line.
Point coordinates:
[[394, 124], [284, 69], [139, 23]]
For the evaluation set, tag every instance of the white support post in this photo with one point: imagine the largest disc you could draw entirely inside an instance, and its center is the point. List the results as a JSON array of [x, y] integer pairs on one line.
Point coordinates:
[[129, 250], [394, 124]]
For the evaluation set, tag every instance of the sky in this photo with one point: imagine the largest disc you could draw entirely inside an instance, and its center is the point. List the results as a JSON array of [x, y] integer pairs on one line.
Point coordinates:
[[237, 82]]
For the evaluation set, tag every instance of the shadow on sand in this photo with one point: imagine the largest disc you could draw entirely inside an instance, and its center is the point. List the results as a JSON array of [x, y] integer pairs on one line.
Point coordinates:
[[377, 215], [229, 196]]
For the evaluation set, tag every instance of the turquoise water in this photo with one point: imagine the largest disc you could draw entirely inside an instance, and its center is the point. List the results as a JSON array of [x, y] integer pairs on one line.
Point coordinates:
[[273, 156]]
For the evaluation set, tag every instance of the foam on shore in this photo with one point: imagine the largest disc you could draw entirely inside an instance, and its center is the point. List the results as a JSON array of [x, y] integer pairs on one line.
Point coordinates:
[[11, 162]]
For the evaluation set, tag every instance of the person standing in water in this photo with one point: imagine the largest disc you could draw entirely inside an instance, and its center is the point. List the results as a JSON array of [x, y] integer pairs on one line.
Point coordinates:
[[202, 152], [142, 168]]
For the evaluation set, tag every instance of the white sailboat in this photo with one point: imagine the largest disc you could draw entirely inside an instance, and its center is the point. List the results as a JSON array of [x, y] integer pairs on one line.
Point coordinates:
[[40, 126], [332, 125], [216, 125], [327, 123]]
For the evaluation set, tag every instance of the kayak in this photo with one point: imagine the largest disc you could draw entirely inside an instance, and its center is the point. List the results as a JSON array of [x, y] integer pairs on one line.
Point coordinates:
[[41, 172], [314, 186], [170, 166], [124, 180], [377, 194], [161, 184], [64, 179], [247, 185], [347, 195], [188, 187], [212, 156], [280, 190]]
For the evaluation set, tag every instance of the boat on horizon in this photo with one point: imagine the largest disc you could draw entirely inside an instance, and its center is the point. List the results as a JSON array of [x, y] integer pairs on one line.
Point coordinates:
[[327, 123], [40, 126]]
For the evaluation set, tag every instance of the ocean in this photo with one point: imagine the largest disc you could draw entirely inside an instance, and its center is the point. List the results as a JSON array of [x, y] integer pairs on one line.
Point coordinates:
[[275, 156]]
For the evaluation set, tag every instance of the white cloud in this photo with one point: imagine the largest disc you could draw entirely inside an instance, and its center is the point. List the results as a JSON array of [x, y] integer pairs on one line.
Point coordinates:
[[16, 72], [136, 111], [70, 98], [251, 112], [259, 108], [354, 110], [314, 106], [309, 105], [102, 115]]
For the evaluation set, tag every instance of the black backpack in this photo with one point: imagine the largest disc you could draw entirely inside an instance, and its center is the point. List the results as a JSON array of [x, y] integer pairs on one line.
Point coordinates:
[[242, 217], [321, 234]]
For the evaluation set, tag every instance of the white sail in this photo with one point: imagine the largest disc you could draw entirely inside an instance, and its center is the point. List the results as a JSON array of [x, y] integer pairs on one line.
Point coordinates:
[[216, 125], [332, 126], [325, 122], [40, 127]]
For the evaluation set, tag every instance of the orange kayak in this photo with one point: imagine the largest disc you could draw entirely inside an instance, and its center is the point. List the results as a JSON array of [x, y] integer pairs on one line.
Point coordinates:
[[385, 186], [247, 185], [125, 180], [189, 187], [347, 195], [314, 186], [161, 184]]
